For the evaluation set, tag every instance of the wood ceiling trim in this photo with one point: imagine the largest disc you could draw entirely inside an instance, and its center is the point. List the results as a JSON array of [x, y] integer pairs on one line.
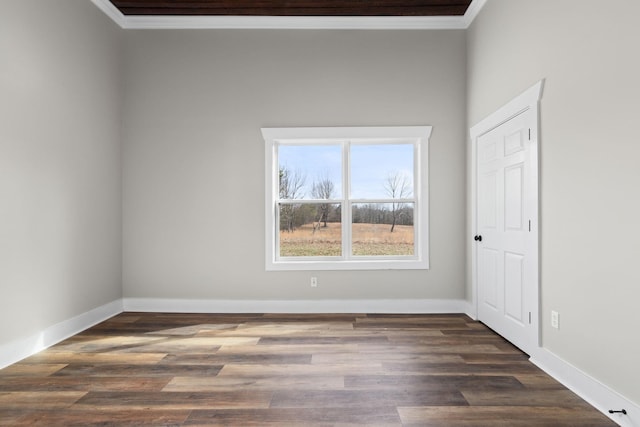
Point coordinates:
[[405, 22], [293, 8]]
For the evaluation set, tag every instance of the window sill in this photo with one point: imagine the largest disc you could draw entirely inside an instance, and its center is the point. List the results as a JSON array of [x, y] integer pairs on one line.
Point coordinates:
[[412, 264]]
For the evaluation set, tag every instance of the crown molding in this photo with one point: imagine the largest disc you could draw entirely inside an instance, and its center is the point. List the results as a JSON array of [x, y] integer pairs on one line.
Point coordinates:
[[472, 11], [292, 22], [111, 11]]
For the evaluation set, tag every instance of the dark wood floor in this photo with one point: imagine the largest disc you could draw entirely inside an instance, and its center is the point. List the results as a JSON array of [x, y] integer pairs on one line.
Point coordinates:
[[287, 370]]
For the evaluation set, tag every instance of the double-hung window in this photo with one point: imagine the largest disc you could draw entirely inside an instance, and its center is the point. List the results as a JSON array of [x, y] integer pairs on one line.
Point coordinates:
[[347, 198]]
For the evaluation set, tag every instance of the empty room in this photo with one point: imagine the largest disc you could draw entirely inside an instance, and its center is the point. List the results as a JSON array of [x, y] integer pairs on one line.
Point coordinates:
[[325, 213]]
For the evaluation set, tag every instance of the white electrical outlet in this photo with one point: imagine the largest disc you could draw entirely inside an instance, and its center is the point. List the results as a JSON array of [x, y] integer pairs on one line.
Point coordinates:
[[314, 282], [555, 319]]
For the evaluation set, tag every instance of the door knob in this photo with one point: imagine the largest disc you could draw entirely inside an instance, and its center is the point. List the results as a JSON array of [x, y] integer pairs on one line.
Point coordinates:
[[478, 238]]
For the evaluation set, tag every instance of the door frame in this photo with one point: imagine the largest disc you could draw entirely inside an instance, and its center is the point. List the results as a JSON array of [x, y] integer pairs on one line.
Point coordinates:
[[528, 100]]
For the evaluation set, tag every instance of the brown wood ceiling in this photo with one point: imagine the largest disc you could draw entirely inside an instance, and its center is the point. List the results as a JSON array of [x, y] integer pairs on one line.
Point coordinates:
[[294, 7]]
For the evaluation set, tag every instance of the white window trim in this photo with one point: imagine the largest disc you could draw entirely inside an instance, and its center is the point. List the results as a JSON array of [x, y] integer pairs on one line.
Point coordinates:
[[420, 134]]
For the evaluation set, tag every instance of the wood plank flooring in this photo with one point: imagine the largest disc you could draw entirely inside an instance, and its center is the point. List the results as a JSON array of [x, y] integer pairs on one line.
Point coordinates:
[[286, 370]]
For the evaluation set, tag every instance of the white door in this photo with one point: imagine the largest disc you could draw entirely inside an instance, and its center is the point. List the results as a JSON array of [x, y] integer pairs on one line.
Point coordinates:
[[505, 209]]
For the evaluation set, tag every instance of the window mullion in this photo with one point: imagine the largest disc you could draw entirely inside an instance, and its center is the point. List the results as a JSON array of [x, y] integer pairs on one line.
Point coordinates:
[[346, 206], [274, 178], [411, 200], [307, 201], [276, 231], [417, 189]]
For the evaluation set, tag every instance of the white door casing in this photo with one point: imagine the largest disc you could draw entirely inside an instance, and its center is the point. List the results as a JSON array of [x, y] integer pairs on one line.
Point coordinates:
[[505, 269]]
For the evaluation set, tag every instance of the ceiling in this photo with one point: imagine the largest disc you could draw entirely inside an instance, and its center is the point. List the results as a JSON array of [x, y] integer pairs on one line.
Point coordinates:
[[414, 8]]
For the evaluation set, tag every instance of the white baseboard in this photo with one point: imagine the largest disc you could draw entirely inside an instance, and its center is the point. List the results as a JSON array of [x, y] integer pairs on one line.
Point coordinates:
[[15, 351], [588, 388], [296, 306]]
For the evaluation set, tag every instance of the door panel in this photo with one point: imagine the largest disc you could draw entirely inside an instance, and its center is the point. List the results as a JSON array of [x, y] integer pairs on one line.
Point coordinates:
[[502, 221], [513, 292], [488, 204], [513, 188], [489, 277], [514, 142]]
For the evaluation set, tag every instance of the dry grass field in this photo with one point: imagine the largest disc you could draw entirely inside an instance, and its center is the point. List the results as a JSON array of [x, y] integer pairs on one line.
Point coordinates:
[[368, 239]]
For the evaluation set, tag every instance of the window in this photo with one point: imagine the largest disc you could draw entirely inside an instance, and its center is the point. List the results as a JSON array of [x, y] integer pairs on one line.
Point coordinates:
[[352, 198]]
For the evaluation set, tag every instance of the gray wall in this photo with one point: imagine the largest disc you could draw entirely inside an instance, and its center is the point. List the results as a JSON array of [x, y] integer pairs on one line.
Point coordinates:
[[588, 53], [194, 156], [60, 197]]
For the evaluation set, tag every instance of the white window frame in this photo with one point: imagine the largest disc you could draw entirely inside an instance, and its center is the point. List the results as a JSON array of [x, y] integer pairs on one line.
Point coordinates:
[[417, 135]]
